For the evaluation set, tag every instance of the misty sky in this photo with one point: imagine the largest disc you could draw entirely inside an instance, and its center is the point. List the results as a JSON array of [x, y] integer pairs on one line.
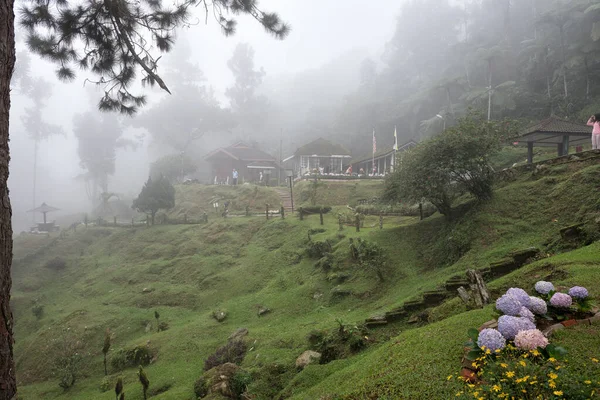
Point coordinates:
[[321, 31]]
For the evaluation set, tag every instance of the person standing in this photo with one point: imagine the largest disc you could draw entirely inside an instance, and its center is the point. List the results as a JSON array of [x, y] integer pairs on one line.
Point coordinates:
[[595, 122], [234, 175]]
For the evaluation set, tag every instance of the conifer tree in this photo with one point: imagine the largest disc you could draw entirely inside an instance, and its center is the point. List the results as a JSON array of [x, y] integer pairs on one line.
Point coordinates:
[[156, 194], [106, 348], [144, 381], [109, 39]]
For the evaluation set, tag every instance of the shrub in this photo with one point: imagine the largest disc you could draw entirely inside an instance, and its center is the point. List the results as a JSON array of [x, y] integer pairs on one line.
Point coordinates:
[[239, 382], [105, 385], [201, 387], [129, 358], [312, 209], [368, 255], [56, 264], [38, 311], [233, 352], [68, 358]]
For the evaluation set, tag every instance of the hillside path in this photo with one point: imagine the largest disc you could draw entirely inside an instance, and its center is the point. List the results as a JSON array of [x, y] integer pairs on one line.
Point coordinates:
[[286, 199]]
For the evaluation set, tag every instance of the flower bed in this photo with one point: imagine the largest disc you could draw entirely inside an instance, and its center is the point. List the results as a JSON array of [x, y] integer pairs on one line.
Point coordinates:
[[512, 357]]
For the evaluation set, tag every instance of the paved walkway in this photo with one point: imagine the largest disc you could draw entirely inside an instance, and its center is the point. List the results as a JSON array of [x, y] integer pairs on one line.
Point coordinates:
[[286, 199]]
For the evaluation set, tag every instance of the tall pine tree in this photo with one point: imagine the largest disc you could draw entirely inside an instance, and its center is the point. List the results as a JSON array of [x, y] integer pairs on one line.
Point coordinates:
[[108, 38]]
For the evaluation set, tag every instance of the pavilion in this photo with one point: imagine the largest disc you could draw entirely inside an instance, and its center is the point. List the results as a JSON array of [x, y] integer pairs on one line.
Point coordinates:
[[45, 226], [554, 132]]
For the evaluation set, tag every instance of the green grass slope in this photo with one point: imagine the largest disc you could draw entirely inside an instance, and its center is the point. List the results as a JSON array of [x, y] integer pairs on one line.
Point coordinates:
[[117, 277]]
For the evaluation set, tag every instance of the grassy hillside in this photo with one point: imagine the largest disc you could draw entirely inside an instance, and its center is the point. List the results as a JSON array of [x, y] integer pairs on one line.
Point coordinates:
[[117, 277], [337, 193]]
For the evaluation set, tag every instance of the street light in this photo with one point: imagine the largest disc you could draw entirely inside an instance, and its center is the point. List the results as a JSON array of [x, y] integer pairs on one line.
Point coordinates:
[[289, 173]]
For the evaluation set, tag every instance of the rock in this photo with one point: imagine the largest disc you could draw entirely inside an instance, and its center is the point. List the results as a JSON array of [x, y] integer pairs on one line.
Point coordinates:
[[218, 380], [492, 324], [468, 375], [595, 320], [148, 327], [569, 322], [147, 290], [551, 329], [219, 315], [263, 310], [317, 295], [306, 358], [238, 334]]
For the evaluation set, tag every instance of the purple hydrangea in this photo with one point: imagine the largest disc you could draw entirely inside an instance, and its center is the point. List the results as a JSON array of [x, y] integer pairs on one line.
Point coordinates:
[[578, 292], [561, 300], [525, 313], [509, 305], [544, 287], [538, 306], [509, 326], [520, 294], [491, 339], [530, 339]]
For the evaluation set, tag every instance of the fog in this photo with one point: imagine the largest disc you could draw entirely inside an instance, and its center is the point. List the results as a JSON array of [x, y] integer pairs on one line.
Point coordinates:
[[321, 32], [346, 69]]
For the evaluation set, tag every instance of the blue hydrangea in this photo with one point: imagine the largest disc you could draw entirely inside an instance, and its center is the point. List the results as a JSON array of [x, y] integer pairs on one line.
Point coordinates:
[[520, 294], [491, 339], [525, 313], [509, 326], [537, 306], [578, 292], [543, 287], [509, 305]]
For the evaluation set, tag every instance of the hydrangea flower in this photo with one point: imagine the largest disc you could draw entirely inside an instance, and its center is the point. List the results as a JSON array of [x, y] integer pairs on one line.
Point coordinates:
[[509, 326], [530, 339], [509, 305], [544, 287], [579, 292], [561, 300], [520, 294], [491, 339], [525, 313], [537, 306]]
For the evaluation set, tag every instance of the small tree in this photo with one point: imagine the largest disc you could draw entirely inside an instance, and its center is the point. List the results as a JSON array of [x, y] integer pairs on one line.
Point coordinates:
[[155, 195], [144, 381], [106, 348], [459, 159], [157, 317]]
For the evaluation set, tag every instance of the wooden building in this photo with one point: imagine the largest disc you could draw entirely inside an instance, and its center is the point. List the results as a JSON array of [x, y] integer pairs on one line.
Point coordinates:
[[249, 161], [385, 160], [321, 155]]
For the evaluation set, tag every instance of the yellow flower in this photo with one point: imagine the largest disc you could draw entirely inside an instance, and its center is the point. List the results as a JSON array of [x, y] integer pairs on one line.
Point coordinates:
[[558, 393], [535, 352], [523, 363], [503, 365], [532, 382], [488, 351], [502, 395], [552, 384], [552, 375], [458, 394], [587, 382], [557, 367], [594, 359], [496, 388], [510, 374], [552, 359], [449, 377], [471, 385]]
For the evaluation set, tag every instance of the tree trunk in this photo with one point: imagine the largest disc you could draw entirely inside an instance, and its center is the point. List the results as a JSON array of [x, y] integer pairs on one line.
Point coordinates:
[[564, 59], [153, 214], [105, 369], [35, 155], [8, 385]]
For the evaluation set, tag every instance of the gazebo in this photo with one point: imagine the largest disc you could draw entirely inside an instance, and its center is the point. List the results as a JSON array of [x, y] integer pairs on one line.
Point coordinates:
[[45, 226], [554, 132]]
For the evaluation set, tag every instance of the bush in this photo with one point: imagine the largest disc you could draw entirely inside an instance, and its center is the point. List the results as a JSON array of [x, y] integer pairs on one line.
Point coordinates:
[[239, 382], [38, 311], [106, 384], [130, 358], [68, 358], [56, 264], [233, 352], [201, 387], [316, 209], [368, 255]]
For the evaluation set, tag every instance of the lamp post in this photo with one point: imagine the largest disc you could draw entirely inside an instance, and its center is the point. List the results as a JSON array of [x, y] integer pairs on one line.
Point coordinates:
[[289, 173]]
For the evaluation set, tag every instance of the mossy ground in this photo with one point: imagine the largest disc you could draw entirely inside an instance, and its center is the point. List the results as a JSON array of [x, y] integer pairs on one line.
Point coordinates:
[[117, 277]]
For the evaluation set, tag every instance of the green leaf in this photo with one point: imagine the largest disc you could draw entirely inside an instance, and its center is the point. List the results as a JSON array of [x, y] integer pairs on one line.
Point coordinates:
[[474, 354], [473, 334]]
